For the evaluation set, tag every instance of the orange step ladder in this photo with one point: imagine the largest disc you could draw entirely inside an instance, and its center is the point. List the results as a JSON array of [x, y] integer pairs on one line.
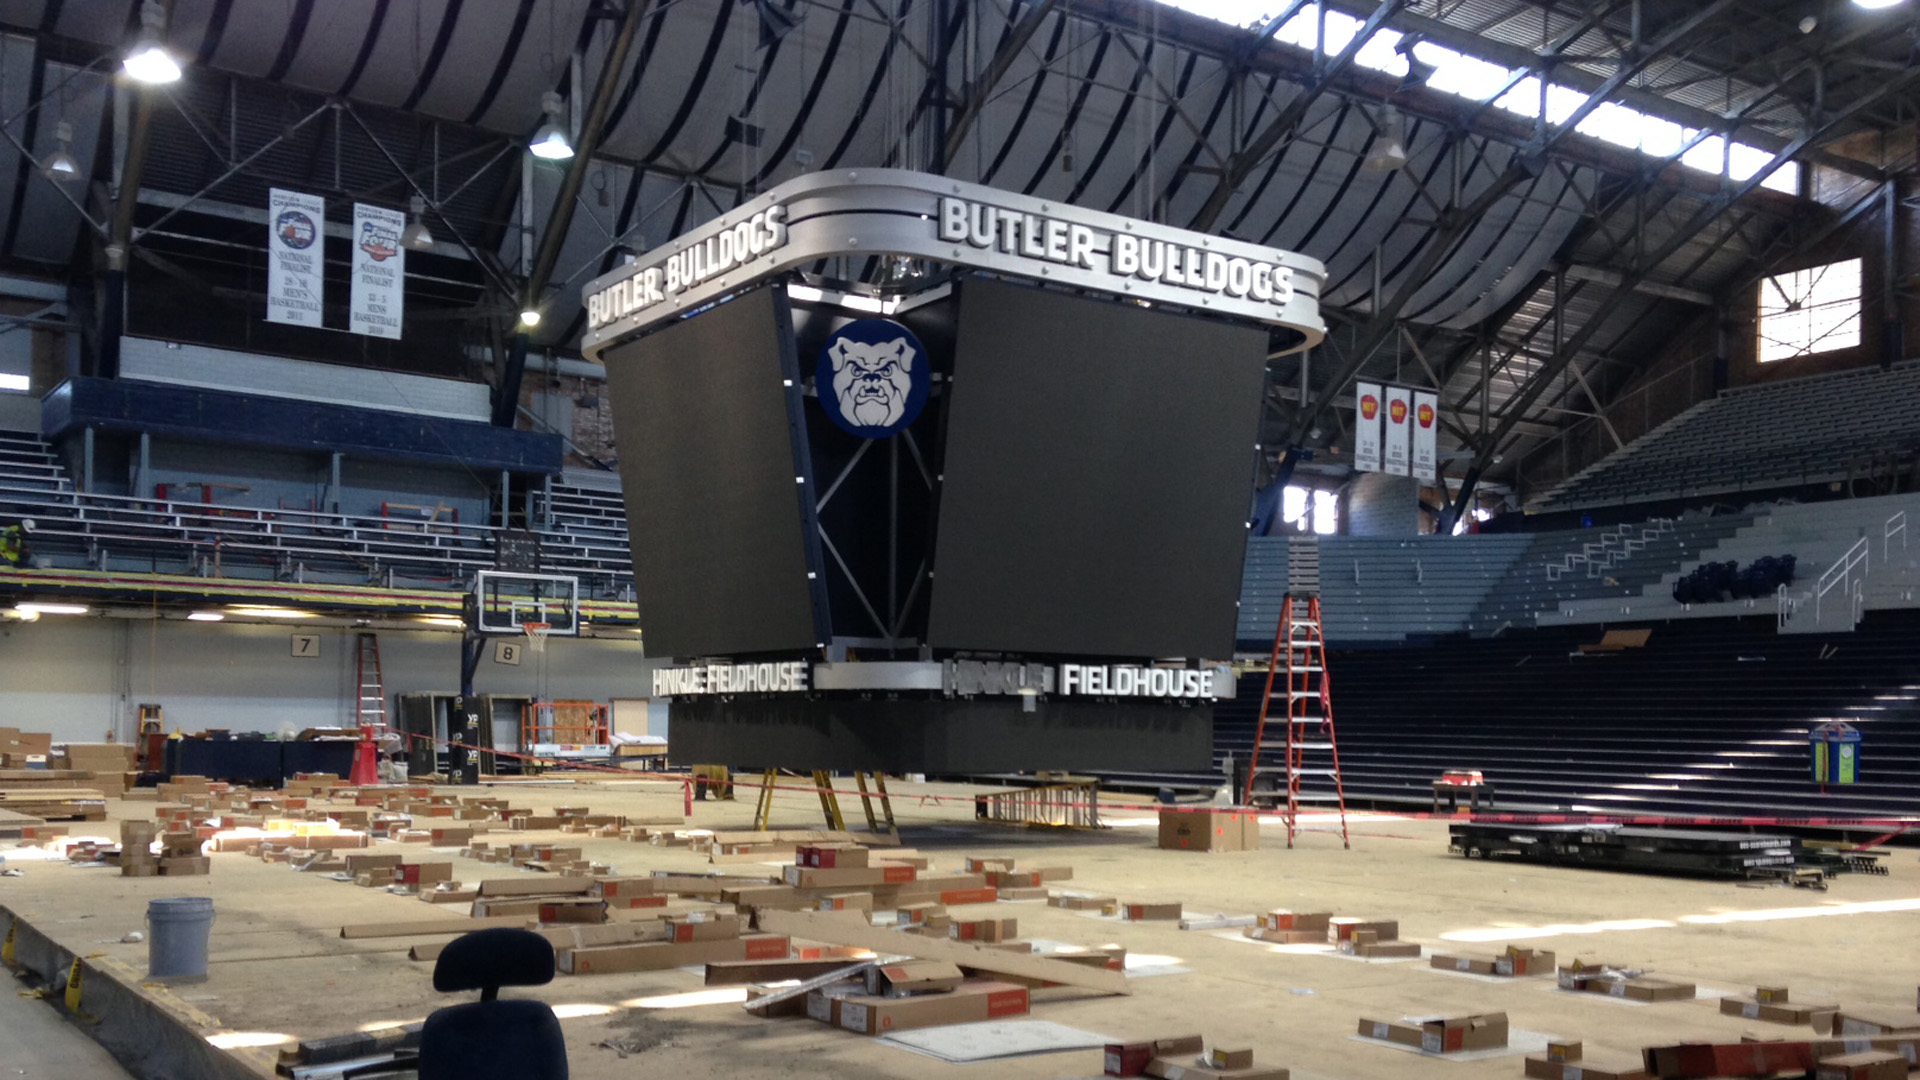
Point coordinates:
[[1308, 749]]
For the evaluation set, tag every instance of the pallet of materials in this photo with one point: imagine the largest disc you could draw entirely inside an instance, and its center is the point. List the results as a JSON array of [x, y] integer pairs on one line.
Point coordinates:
[[57, 804], [1618, 847]]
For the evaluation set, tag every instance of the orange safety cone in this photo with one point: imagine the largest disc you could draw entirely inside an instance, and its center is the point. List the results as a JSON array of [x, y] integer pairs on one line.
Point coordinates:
[[366, 761]]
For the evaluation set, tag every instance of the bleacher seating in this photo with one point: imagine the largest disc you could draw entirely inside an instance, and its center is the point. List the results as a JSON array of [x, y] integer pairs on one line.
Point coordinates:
[[117, 532], [1710, 716], [1776, 435]]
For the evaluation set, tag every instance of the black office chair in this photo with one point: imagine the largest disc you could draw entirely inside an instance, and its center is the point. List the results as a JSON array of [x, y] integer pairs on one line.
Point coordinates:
[[492, 1039]]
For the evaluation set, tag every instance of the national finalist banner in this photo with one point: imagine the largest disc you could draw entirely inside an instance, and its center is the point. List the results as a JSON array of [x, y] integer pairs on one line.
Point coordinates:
[[1399, 410], [379, 271], [1366, 426], [1426, 431], [296, 270]]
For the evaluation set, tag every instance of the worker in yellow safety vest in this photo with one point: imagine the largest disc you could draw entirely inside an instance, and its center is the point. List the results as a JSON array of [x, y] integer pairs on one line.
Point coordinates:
[[13, 543]]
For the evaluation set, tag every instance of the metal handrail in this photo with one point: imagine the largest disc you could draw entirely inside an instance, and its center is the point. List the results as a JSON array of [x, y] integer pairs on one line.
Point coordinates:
[[1841, 576], [1896, 526]]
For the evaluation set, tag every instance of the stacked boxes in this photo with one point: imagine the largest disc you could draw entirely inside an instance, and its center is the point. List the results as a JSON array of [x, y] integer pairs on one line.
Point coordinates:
[[1284, 927], [136, 849], [1770, 1003]]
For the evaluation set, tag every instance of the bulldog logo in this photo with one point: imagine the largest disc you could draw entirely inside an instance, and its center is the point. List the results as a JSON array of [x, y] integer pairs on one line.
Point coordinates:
[[872, 377]]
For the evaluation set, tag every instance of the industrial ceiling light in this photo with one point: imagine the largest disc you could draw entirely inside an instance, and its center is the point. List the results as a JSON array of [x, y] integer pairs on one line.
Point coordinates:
[[550, 143], [1390, 153], [206, 616], [54, 609], [149, 61], [530, 317], [61, 167], [416, 234], [1876, 5]]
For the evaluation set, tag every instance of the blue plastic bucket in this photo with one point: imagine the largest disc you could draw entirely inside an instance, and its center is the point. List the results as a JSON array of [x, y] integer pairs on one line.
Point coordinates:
[[177, 931]]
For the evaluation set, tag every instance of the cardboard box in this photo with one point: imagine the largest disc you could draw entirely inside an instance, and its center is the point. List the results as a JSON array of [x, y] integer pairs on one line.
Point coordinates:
[[982, 865], [1151, 912], [1228, 1057], [972, 1001], [1771, 995], [1035, 893], [845, 902], [913, 977], [1869, 1065], [1381, 950], [1080, 901], [1128, 1059], [832, 856], [659, 956], [1208, 830], [985, 931], [1652, 990], [612, 887], [1520, 962], [1282, 919], [1539, 1066], [1184, 1068], [536, 885], [1012, 879], [1340, 929], [1392, 1031], [1475, 965], [1845, 1023], [687, 929], [803, 877], [186, 864], [1482, 1031], [1563, 1050], [1752, 1009]]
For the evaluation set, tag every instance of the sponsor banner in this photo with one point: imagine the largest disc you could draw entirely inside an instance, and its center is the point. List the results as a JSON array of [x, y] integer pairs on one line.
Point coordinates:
[[1399, 437], [296, 272], [1120, 680], [1369, 404], [1426, 436], [782, 677], [379, 271]]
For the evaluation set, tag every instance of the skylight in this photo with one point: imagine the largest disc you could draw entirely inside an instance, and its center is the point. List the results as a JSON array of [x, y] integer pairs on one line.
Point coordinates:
[[1479, 80]]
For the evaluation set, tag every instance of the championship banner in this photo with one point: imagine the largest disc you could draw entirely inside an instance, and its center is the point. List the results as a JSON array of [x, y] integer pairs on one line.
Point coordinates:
[[1426, 436], [379, 271], [296, 272], [1366, 426], [1399, 430]]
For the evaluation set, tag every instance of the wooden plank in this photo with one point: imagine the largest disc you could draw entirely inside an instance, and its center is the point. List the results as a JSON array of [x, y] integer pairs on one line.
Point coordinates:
[[840, 928], [424, 927], [536, 885], [761, 1004]]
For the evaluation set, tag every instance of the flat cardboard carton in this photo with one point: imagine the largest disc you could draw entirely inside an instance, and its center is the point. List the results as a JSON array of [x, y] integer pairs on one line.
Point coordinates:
[[1751, 1009], [1382, 950], [850, 901], [1482, 1031], [1340, 929], [1079, 901], [980, 865], [659, 956], [1151, 912], [1518, 962], [684, 929], [985, 931], [1228, 1057], [1846, 1023], [1870, 1065], [832, 856], [804, 877], [1037, 892], [1391, 1031], [1772, 995], [972, 1001], [612, 887], [536, 885], [1563, 1050], [1475, 965]]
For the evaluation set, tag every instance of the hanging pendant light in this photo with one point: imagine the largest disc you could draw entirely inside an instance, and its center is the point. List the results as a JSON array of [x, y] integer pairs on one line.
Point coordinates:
[[550, 143], [61, 168], [416, 235], [149, 61]]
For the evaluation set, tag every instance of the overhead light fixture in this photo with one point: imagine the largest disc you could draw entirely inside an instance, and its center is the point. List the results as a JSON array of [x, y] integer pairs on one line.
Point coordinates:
[[149, 61], [54, 609], [416, 235], [530, 318], [1876, 5], [61, 167], [550, 143], [1390, 148], [206, 616], [269, 613]]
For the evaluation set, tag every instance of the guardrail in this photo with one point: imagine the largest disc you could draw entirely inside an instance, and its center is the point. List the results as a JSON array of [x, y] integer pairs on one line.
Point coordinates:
[[1844, 576], [1896, 526]]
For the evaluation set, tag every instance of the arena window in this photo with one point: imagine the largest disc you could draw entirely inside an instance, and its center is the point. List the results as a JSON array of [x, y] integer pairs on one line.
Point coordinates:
[[1810, 311]]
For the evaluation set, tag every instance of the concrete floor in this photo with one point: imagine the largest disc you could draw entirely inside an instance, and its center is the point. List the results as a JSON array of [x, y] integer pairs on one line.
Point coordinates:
[[280, 968]]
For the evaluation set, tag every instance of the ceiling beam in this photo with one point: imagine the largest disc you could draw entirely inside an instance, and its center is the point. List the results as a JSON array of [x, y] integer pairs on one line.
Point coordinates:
[[981, 89]]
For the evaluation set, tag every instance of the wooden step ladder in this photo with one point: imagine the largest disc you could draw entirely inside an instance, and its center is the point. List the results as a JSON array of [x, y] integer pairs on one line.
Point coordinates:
[[1308, 749], [370, 705], [830, 801]]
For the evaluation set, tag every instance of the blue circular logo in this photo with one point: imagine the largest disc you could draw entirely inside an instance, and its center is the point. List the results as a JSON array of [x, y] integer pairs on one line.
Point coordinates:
[[296, 230], [873, 377]]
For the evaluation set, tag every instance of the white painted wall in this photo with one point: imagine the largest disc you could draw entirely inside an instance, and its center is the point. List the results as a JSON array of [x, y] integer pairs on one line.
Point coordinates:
[[80, 677]]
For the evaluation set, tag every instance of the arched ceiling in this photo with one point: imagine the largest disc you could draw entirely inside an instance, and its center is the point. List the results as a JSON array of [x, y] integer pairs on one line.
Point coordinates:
[[1452, 263]]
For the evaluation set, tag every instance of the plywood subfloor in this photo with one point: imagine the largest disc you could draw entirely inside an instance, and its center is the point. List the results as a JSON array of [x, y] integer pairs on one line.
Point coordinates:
[[278, 965]]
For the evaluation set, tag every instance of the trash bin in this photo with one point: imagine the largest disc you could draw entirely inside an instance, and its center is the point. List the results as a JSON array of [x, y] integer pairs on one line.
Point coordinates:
[[1836, 753]]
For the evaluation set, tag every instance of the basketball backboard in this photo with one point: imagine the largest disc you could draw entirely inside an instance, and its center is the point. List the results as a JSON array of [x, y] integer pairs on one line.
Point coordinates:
[[505, 601]]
